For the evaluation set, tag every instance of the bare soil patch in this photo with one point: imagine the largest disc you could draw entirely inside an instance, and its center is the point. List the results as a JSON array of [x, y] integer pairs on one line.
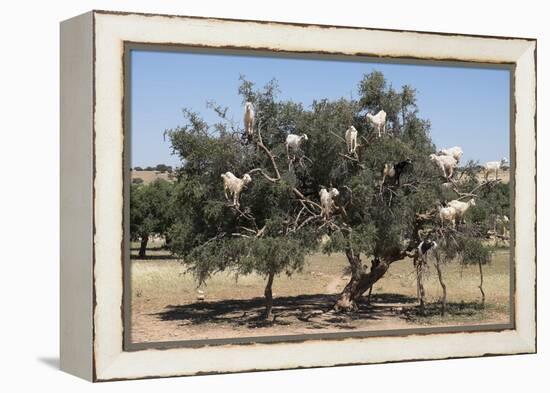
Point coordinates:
[[165, 305]]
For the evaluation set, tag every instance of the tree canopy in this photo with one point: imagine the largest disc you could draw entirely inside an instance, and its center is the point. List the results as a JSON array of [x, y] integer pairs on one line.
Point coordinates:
[[150, 211], [279, 220]]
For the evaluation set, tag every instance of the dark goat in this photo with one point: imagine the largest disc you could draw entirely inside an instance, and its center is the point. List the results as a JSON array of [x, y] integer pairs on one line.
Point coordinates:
[[426, 245], [395, 170]]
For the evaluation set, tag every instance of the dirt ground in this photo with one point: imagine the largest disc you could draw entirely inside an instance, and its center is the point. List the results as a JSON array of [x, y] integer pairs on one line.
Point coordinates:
[[165, 306]]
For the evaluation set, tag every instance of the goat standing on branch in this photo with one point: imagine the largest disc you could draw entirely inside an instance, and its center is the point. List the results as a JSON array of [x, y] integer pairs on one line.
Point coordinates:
[[461, 207], [501, 228], [447, 164], [394, 171], [235, 186], [351, 139], [379, 121], [455, 152], [420, 262], [327, 201], [293, 143], [249, 118], [494, 166], [424, 247], [447, 214]]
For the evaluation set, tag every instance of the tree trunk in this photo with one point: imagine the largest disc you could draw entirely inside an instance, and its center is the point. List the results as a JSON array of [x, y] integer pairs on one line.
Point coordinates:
[[443, 286], [481, 284], [360, 281], [368, 296], [143, 246], [268, 293], [421, 293]]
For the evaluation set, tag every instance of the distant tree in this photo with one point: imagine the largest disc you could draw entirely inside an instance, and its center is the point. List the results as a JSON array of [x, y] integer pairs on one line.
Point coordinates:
[[150, 211], [138, 168], [162, 168]]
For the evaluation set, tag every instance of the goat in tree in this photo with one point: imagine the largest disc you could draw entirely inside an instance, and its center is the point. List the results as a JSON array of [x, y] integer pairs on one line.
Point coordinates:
[[420, 263], [327, 201], [455, 152], [394, 171], [351, 139], [461, 207], [424, 247], [293, 142], [249, 118], [235, 186], [447, 214], [501, 226], [447, 164], [379, 121]]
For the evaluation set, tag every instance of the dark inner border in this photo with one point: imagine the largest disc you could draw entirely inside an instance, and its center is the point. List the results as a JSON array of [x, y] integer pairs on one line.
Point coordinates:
[[128, 345]]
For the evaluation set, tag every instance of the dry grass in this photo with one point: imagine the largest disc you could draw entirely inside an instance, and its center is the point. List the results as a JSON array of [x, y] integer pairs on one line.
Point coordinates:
[[150, 176], [503, 175], [165, 306]]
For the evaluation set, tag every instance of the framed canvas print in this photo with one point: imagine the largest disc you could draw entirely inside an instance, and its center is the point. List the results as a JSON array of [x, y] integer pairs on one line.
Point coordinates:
[[249, 195]]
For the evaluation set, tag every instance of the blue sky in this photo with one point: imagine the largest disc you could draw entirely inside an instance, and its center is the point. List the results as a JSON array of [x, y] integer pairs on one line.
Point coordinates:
[[468, 107]]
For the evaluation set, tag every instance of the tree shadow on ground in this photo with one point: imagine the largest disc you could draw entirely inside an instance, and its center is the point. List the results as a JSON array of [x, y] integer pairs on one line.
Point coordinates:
[[453, 309], [313, 311], [391, 298], [152, 257]]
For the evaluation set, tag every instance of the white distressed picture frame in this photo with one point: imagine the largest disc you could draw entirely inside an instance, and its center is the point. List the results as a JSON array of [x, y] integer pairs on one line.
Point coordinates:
[[92, 162]]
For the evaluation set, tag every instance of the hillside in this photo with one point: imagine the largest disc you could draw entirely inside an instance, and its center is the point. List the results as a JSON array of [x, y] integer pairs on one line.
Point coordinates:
[[150, 176]]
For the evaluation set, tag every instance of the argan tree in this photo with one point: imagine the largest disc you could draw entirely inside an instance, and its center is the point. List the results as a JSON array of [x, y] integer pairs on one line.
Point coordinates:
[[279, 220]]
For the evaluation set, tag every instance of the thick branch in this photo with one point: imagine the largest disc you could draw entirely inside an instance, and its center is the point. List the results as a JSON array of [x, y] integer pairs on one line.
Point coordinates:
[[260, 143], [262, 172]]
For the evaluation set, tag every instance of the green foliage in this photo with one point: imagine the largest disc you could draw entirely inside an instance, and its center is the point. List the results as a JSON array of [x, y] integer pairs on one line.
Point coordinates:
[[162, 168], [150, 209], [475, 252], [465, 247], [273, 231], [467, 242]]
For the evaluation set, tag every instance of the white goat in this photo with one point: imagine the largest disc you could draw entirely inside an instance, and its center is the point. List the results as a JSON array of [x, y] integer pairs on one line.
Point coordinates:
[[446, 163], [447, 214], [327, 201], [379, 121], [461, 207], [351, 139], [234, 185], [501, 226], [494, 166], [249, 117], [455, 152], [293, 143]]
